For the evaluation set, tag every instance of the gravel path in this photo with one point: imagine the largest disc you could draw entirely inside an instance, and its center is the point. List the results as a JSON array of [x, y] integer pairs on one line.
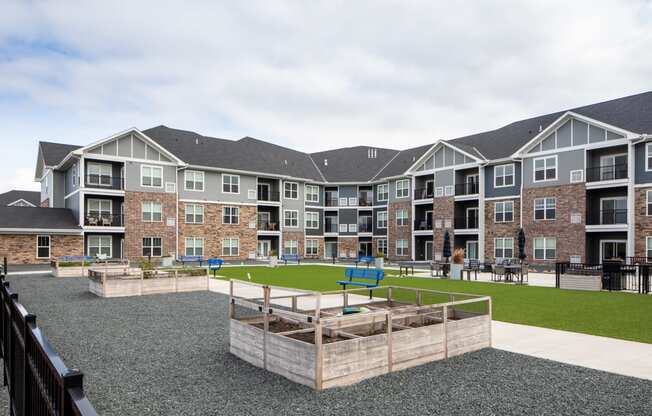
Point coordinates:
[[168, 355]]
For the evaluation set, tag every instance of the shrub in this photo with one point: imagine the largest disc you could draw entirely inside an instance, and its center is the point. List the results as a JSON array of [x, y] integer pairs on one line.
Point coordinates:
[[380, 255], [458, 256], [145, 264]]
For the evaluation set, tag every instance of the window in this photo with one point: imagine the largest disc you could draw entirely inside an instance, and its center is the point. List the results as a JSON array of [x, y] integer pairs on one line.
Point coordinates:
[[98, 208], [231, 215], [312, 193], [383, 192], [504, 175], [194, 214], [152, 246], [403, 188], [312, 247], [312, 220], [449, 190], [648, 156], [343, 228], [291, 190], [152, 211], [42, 246], [545, 248], [381, 219], [544, 208], [231, 247], [648, 247], [151, 176], [291, 218], [504, 211], [353, 228], [401, 217], [439, 192], [290, 247], [648, 197], [401, 247], [194, 180], [100, 246], [170, 187], [382, 246], [75, 178], [545, 169], [576, 176], [343, 202], [503, 248], [99, 174], [194, 246], [230, 184]]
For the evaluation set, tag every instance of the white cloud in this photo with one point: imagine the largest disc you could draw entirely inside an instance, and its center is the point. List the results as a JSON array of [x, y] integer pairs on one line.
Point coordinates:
[[309, 75]]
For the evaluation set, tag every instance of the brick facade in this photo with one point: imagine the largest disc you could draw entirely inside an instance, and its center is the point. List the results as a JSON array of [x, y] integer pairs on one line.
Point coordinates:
[[643, 222], [443, 214], [571, 238], [347, 246], [320, 247], [136, 228], [500, 229], [21, 248], [45, 203], [299, 236], [213, 231], [395, 232]]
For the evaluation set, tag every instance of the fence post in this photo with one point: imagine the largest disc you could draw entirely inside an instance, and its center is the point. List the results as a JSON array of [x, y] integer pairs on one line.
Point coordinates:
[[30, 320], [72, 379], [4, 266]]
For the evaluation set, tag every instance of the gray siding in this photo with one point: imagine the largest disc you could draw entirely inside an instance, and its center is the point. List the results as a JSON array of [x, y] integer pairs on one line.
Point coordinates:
[[319, 231], [566, 161], [58, 189], [348, 191], [379, 231], [444, 178], [490, 191], [321, 196], [295, 204], [640, 164], [132, 177], [376, 201], [72, 186], [72, 204], [348, 216], [213, 189], [392, 191]]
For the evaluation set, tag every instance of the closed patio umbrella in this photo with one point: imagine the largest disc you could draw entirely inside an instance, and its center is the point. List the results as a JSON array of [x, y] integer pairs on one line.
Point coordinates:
[[521, 245], [446, 251]]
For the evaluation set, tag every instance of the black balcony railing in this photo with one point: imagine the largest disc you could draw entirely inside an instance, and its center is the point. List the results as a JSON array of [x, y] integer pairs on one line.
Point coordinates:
[[606, 173], [103, 181], [608, 217], [331, 202], [366, 226], [423, 193], [467, 222], [267, 226], [365, 202], [423, 225], [466, 188], [269, 196], [104, 220], [330, 227]]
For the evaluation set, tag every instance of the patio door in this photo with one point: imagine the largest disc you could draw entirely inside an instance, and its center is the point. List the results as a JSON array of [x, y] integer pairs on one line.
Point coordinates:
[[263, 248], [263, 192], [613, 249], [471, 250], [430, 188], [428, 251], [330, 249], [472, 217], [613, 210], [263, 220], [613, 167], [364, 248]]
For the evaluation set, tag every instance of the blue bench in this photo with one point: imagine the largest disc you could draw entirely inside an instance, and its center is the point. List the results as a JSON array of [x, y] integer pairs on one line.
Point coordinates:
[[368, 260], [215, 265], [366, 274], [76, 258], [291, 257], [191, 259]]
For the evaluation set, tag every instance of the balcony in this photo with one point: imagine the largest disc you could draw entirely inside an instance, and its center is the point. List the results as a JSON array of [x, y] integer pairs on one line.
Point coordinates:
[[331, 202], [267, 226], [365, 202], [268, 196], [330, 227], [423, 193], [104, 182], [609, 217], [365, 225], [468, 222], [607, 173], [466, 188], [423, 225], [104, 220]]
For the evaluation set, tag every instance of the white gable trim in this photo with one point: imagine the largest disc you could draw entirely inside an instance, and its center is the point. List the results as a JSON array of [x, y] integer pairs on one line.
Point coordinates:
[[21, 200], [521, 152], [432, 151]]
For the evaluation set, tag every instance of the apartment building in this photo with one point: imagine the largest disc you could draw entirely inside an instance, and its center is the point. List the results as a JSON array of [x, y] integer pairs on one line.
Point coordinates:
[[577, 181]]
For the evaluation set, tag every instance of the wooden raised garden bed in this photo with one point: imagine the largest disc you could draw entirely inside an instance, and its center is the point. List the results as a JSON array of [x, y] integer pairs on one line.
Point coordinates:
[[322, 348], [136, 282]]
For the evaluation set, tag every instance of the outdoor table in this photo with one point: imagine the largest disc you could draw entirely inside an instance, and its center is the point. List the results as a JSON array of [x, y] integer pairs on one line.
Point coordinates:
[[514, 269], [468, 271], [405, 266]]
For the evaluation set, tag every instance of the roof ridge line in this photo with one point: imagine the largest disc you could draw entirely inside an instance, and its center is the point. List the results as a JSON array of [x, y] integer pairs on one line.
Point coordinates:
[[317, 167], [387, 164]]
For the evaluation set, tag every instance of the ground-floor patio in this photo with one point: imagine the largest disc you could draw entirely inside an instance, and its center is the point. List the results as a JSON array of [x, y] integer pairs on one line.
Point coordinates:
[[168, 354]]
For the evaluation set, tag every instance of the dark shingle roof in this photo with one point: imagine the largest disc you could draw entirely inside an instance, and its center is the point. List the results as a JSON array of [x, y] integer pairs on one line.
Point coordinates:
[[633, 113], [33, 197], [53, 153], [352, 164], [38, 218], [403, 161], [244, 154]]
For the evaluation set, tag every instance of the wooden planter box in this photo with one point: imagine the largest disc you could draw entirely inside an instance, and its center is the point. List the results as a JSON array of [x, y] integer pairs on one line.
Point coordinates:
[[137, 286], [356, 347], [580, 282]]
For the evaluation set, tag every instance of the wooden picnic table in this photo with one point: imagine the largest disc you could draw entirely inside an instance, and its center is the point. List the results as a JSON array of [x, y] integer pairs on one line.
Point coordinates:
[[406, 266]]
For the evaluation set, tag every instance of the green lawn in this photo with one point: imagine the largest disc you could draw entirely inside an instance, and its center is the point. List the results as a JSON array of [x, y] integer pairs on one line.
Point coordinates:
[[617, 315]]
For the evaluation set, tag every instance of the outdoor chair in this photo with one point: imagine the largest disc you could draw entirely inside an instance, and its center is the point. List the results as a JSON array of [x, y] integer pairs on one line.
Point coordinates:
[[92, 220], [524, 273], [436, 269], [498, 272]]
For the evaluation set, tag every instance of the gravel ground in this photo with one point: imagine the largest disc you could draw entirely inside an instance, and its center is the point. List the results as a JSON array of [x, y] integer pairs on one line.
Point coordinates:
[[168, 355]]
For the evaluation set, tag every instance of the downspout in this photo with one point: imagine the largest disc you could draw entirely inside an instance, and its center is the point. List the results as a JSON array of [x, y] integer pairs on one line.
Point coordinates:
[[176, 219]]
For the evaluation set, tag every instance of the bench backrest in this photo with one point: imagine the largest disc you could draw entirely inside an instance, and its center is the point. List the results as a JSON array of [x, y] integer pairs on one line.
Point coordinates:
[[370, 274], [75, 258], [366, 259], [215, 262], [290, 256], [192, 258]]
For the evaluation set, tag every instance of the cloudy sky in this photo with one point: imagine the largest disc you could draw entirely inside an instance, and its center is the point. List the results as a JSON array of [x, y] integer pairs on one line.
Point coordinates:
[[310, 75]]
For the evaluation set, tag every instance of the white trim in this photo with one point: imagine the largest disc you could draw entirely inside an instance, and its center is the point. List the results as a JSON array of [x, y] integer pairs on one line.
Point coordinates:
[[504, 211], [71, 231], [142, 167], [545, 240], [496, 198], [21, 200], [151, 237], [49, 246], [72, 193], [224, 175], [614, 241], [377, 193], [305, 193], [296, 184], [231, 215], [647, 155], [142, 211], [290, 226], [581, 180], [396, 189], [305, 246], [504, 165], [110, 256], [305, 220], [545, 168], [503, 248], [378, 220], [120, 135], [545, 209], [194, 172], [194, 213], [201, 201]]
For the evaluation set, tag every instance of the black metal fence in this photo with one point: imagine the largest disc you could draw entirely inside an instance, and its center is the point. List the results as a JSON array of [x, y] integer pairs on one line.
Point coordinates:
[[634, 277], [37, 380]]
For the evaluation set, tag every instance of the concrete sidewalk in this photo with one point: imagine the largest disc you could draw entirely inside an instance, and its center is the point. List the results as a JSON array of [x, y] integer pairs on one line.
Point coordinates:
[[627, 358]]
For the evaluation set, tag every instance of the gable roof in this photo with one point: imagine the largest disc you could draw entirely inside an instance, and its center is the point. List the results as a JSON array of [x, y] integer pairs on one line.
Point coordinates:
[[352, 164], [33, 197], [245, 154], [402, 161], [37, 218], [632, 113], [54, 153]]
